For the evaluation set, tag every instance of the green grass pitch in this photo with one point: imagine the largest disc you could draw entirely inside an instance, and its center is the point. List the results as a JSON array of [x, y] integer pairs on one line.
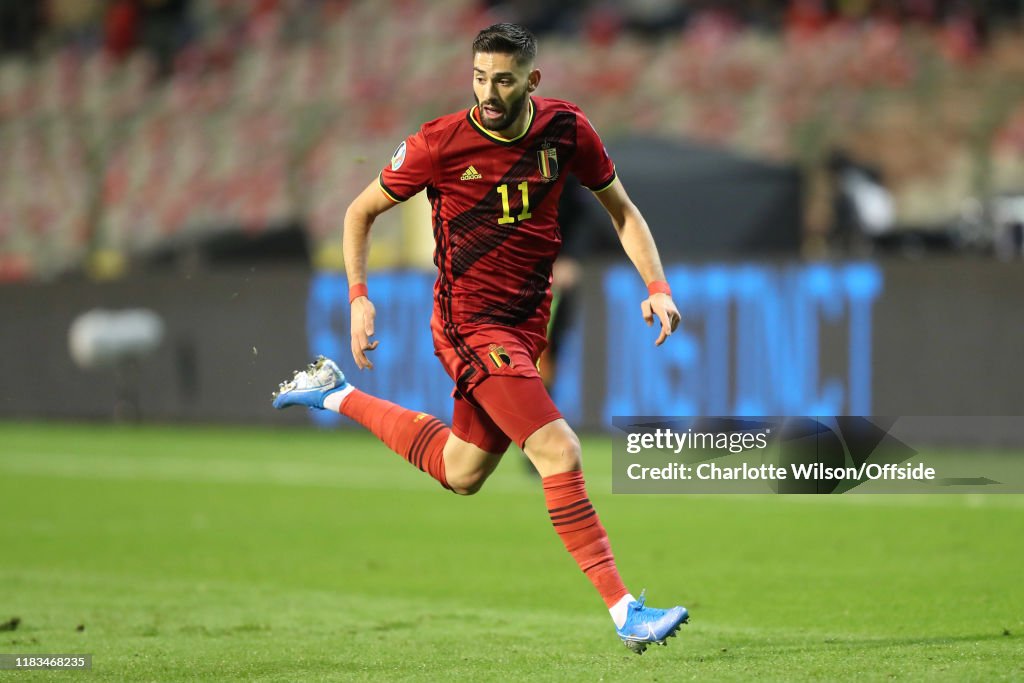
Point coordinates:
[[300, 555]]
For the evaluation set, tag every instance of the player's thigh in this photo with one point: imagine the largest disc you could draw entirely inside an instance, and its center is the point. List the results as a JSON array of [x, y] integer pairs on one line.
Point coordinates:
[[476, 444], [518, 405]]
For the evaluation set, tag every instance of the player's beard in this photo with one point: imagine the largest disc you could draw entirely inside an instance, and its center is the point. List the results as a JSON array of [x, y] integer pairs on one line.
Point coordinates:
[[511, 112]]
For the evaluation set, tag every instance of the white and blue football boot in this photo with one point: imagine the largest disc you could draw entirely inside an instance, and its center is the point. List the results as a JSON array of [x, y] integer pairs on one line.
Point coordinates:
[[645, 625], [311, 386]]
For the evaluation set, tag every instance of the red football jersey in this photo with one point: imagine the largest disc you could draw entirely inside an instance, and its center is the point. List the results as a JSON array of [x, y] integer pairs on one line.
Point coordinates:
[[495, 211]]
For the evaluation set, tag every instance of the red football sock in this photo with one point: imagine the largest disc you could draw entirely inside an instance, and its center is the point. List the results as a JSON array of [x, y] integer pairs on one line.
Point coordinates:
[[417, 437], [577, 524]]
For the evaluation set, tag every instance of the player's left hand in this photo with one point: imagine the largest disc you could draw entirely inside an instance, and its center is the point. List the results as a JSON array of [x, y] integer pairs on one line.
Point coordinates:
[[661, 305]]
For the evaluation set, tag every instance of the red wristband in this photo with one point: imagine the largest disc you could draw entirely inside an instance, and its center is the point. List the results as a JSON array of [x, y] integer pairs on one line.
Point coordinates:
[[658, 287], [356, 291]]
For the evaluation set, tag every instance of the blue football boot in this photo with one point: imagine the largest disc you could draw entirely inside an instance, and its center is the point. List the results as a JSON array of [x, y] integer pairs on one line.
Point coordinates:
[[310, 386], [645, 625]]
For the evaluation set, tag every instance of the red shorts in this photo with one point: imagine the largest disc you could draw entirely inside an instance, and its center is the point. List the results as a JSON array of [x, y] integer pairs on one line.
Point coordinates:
[[499, 394]]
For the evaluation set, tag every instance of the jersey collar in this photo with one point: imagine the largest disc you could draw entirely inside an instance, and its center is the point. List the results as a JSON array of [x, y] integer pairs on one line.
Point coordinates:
[[494, 137]]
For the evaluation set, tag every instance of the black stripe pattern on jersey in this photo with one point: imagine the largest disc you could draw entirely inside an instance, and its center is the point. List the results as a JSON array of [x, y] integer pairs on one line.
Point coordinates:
[[475, 232], [444, 296], [517, 310]]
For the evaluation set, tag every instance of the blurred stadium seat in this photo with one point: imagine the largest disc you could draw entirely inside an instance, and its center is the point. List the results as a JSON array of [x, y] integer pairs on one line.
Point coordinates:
[[278, 112]]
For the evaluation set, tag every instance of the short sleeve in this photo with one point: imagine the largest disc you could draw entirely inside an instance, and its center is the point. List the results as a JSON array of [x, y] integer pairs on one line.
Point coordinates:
[[591, 163], [409, 170]]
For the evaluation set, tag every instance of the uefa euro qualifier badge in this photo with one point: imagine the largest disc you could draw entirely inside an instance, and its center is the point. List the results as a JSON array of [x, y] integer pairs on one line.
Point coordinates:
[[398, 158]]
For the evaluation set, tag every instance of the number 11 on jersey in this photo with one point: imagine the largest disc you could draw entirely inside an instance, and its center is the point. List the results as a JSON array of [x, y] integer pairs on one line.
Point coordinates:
[[506, 216]]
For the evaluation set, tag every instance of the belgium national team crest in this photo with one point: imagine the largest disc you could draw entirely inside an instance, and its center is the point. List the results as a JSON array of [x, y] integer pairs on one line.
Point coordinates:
[[547, 161], [499, 356]]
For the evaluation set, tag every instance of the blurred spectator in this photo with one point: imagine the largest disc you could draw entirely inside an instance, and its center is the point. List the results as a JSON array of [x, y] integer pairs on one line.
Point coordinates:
[[578, 243], [805, 18], [122, 28], [963, 34], [652, 18], [259, 92], [76, 23], [165, 29], [922, 11], [540, 16], [20, 25]]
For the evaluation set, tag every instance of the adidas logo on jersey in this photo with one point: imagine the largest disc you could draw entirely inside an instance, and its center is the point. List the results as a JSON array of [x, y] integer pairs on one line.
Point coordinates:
[[471, 174]]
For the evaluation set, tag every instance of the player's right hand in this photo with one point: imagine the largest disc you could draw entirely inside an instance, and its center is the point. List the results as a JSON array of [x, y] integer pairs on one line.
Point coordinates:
[[363, 315]]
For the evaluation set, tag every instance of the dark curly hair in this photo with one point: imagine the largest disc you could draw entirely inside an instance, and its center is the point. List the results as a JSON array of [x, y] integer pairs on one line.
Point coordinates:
[[509, 39]]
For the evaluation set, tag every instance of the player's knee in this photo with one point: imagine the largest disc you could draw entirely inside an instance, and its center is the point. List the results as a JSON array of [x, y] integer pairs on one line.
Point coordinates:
[[559, 451], [570, 453], [467, 484]]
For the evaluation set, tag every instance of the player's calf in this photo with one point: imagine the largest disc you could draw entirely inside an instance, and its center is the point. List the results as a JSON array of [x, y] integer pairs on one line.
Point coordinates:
[[417, 437]]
